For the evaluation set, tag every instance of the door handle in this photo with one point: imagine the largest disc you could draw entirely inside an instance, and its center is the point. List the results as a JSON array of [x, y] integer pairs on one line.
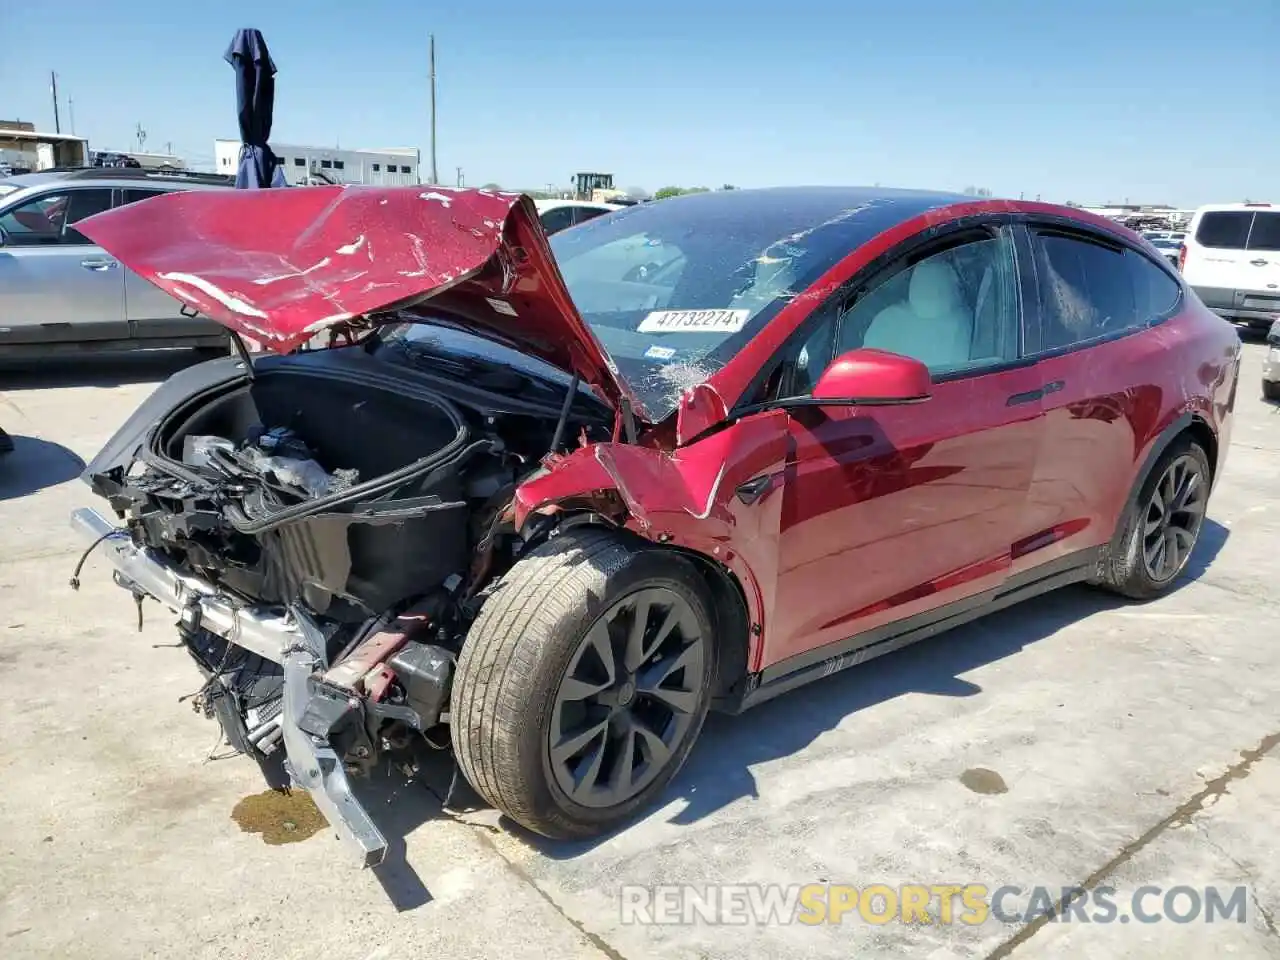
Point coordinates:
[[753, 489], [1031, 396], [98, 265], [1258, 263]]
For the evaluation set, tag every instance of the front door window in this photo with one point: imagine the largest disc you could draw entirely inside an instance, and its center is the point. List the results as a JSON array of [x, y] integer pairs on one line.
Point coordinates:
[[955, 310]]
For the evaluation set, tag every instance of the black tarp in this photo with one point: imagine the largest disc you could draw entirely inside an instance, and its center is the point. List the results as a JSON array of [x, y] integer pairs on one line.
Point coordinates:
[[255, 100]]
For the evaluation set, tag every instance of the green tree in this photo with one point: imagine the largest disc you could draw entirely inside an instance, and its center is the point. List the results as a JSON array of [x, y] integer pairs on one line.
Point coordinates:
[[662, 193], [728, 186], [491, 186]]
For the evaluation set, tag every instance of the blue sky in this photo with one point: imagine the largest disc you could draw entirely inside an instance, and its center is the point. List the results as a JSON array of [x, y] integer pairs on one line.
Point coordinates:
[[1047, 98]]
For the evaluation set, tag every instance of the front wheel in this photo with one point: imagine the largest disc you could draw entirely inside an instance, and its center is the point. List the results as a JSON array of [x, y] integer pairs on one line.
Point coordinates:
[[1163, 525], [584, 682]]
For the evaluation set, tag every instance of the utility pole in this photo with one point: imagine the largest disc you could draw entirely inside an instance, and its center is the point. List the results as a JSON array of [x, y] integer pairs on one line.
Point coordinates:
[[434, 178], [71, 109], [168, 147], [142, 137], [53, 77], [461, 181]]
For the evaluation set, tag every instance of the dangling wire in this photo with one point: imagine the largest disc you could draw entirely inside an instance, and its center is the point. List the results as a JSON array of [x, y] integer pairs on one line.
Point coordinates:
[[75, 576]]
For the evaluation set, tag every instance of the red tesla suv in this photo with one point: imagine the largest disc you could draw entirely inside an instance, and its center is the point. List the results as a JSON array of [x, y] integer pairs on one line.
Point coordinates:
[[551, 500]]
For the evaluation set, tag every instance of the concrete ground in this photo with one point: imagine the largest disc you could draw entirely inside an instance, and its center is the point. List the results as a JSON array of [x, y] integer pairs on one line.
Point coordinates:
[[1123, 745]]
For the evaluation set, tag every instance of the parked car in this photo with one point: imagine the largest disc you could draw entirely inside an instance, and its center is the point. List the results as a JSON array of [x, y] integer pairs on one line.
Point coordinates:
[[1231, 258], [60, 292], [109, 158], [1168, 242], [557, 215], [555, 500], [1271, 366]]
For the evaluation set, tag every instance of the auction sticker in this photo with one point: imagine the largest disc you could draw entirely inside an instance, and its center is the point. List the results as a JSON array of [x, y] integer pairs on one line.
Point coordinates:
[[694, 321]]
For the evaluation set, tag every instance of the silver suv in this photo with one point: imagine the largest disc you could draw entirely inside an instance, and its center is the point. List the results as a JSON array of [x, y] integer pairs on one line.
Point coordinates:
[[61, 293]]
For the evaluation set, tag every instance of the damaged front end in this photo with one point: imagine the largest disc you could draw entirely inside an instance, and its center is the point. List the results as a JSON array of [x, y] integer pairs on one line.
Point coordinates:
[[323, 604], [270, 682], [324, 524]]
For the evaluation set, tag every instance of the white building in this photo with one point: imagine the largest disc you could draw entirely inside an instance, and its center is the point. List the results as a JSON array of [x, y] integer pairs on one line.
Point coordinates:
[[393, 166], [22, 147]]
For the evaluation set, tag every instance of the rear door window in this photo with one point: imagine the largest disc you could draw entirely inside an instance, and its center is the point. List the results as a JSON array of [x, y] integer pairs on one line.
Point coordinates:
[[1224, 229], [1155, 292], [1265, 234], [134, 194], [1089, 288]]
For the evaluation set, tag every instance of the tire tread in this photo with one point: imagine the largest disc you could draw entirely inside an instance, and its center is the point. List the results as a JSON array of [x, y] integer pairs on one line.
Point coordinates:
[[498, 664], [1122, 569]]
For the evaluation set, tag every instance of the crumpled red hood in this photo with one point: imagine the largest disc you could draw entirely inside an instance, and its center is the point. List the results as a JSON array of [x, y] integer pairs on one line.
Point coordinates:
[[282, 265]]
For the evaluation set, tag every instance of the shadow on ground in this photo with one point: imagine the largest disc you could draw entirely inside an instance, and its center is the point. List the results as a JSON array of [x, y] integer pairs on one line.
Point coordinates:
[[35, 464], [98, 370], [718, 772], [397, 802]]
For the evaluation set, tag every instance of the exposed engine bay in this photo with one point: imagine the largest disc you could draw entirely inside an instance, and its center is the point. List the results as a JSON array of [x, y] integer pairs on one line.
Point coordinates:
[[325, 527]]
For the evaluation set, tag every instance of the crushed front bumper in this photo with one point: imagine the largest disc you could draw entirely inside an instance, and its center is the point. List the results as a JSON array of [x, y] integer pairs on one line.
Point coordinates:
[[289, 640]]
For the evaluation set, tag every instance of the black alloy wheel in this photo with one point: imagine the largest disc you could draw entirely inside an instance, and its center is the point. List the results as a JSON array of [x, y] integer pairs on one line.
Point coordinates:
[[584, 681], [1173, 517], [631, 694]]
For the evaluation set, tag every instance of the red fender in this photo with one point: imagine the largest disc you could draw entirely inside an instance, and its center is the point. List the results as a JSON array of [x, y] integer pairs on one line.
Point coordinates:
[[683, 498]]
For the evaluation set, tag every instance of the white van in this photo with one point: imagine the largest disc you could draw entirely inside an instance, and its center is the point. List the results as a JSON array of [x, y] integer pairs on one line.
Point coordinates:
[[1231, 258]]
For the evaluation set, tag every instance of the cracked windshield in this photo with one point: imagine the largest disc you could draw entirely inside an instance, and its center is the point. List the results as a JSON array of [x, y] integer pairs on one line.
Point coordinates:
[[673, 291]]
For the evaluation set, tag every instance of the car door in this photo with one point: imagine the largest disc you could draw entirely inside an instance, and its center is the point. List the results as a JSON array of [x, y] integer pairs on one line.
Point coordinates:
[[1264, 261], [150, 312], [55, 284], [1094, 297], [893, 514]]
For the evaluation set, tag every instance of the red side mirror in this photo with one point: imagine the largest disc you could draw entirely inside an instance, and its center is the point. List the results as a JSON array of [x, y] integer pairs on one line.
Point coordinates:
[[873, 377]]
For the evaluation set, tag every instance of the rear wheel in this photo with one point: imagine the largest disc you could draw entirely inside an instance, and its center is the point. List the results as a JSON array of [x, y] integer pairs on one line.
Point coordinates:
[[583, 683], [1271, 390], [1163, 525]]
